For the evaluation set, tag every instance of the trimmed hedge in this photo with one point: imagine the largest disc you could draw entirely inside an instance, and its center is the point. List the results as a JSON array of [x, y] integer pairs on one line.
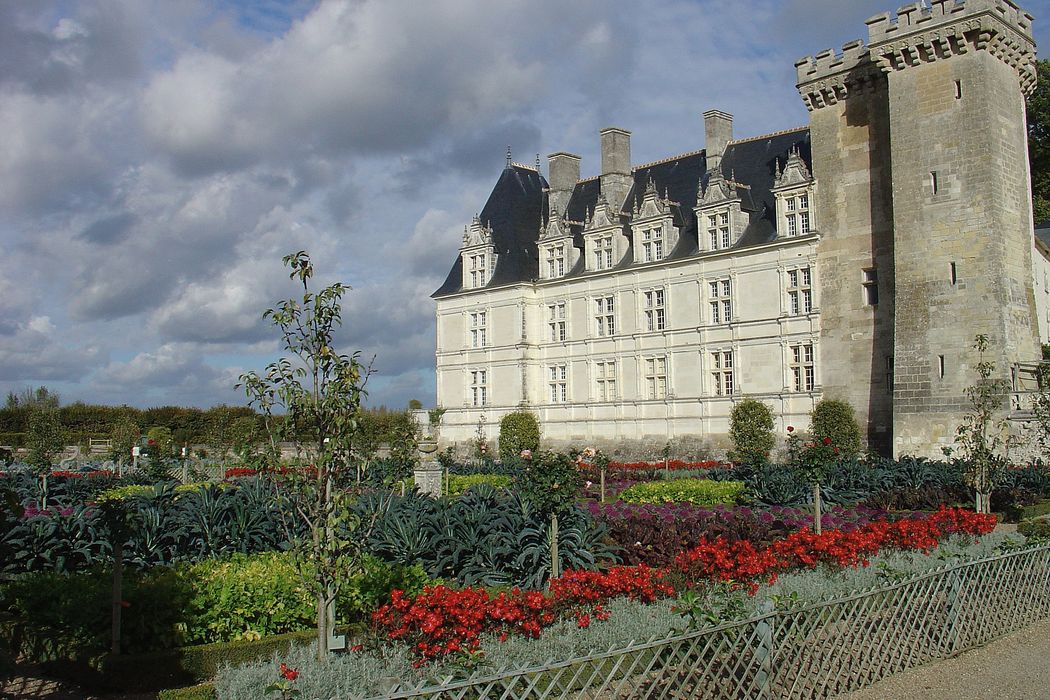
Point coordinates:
[[701, 492], [457, 485]]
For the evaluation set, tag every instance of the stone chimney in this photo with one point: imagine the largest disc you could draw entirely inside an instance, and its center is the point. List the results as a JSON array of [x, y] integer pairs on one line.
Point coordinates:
[[616, 165], [718, 131], [564, 171]]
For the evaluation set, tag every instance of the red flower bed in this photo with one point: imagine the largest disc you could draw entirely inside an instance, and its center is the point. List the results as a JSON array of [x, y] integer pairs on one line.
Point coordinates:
[[442, 621], [671, 464], [237, 472]]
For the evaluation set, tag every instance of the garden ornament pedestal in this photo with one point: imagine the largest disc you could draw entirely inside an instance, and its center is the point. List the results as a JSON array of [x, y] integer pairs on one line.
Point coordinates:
[[427, 475]]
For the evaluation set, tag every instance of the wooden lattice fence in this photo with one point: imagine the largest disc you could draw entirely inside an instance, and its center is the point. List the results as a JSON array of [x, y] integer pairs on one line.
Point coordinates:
[[814, 651]]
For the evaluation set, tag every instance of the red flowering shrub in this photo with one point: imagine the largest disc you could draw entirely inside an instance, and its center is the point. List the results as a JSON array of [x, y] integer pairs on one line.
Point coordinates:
[[61, 473], [443, 621], [237, 472]]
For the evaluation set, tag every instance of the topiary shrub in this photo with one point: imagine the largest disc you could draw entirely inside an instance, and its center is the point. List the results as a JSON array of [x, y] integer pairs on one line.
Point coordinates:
[[518, 431], [751, 430], [835, 420]]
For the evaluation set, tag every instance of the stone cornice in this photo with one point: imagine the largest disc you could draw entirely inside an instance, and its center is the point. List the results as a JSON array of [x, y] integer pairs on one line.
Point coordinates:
[[948, 29], [828, 78]]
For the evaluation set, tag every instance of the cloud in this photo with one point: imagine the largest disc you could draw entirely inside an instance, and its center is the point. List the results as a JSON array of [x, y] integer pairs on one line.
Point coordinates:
[[35, 352]]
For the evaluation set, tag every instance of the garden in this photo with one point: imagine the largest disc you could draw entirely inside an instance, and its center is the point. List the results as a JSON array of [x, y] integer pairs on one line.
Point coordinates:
[[332, 574]]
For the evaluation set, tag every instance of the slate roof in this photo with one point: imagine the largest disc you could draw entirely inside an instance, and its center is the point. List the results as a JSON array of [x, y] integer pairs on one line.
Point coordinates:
[[517, 207]]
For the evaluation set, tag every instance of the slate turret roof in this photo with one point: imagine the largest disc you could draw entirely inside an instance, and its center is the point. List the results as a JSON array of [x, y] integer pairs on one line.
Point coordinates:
[[516, 209]]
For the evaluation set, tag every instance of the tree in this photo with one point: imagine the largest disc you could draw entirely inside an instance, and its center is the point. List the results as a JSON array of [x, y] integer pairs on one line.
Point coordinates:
[[44, 439], [1039, 143], [41, 397], [751, 430], [124, 436], [836, 421], [518, 430], [319, 390], [220, 433], [981, 437]]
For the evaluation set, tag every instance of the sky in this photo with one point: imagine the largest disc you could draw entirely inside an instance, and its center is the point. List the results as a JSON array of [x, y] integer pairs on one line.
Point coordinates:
[[159, 157]]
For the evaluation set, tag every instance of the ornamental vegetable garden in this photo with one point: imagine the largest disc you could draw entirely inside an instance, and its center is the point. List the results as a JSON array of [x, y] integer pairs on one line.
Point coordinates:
[[451, 581], [332, 575]]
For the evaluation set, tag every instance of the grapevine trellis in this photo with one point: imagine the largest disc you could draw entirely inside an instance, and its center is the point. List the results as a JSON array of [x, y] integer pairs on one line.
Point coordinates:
[[813, 651]]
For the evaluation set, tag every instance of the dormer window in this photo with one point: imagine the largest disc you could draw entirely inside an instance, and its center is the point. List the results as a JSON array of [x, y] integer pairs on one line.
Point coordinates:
[[479, 270], [556, 261], [793, 189], [652, 245], [653, 226], [719, 232], [478, 252], [603, 253], [797, 215]]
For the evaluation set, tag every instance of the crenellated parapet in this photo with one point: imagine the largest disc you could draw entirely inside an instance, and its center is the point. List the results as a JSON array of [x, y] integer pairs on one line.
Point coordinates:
[[919, 35], [830, 77]]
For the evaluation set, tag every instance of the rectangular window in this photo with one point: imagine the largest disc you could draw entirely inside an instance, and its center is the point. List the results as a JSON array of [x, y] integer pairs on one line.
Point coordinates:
[[870, 285], [479, 389], [604, 316], [802, 370], [656, 378], [800, 291], [655, 318], [556, 261], [889, 374], [558, 383], [712, 231], [718, 231], [722, 361], [479, 329], [940, 366], [934, 183], [721, 302], [797, 218], [603, 253], [478, 270], [953, 274], [605, 380], [556, 321], [652, 245]]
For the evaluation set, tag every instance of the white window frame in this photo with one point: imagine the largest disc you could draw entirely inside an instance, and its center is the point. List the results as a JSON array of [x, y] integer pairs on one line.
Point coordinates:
[[719, 229], [603, 252], [653, 244], [605, 316], [479, 387], [803, 367], [655, 376], [478, 269], [796, 213], [556, 261], [654, 307], [479, 329], [605, 380], [720, 300], [558, 383], [723, 372], [799, 281], [557, 321]]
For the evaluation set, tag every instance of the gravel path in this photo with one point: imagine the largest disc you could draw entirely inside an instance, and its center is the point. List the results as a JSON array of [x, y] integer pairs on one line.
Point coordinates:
[[1013, 667]]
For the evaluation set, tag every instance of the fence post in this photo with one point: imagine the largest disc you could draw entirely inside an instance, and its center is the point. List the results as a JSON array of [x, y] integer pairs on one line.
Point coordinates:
[[953, 623], [764, 652]]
